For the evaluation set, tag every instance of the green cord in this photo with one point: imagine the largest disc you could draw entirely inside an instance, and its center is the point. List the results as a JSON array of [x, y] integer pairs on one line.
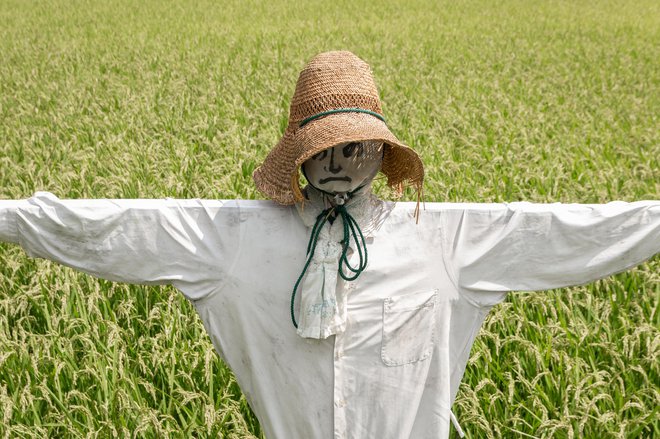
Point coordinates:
[[350, 227], [340, 110], [349, 222]]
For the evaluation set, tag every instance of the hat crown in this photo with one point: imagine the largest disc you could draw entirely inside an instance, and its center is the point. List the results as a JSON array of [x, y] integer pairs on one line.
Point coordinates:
[[333, 80]]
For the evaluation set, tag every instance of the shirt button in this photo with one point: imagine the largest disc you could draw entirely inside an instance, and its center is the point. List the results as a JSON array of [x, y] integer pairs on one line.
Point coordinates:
[[339, 355], [340, 403]]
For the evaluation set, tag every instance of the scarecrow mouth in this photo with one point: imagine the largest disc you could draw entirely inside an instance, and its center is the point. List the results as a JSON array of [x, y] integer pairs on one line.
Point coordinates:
[[329, 179]]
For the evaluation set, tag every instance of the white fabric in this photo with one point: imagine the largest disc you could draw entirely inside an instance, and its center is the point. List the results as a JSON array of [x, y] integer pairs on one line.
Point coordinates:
[[322, 307], [411, 316]]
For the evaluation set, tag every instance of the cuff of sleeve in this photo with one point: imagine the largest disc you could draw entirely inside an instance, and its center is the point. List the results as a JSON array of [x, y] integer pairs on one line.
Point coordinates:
[[8, 226]]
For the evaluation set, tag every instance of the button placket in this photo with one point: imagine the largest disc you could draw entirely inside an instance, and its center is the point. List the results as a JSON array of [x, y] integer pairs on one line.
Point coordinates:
[[340, 401], [338, 393]]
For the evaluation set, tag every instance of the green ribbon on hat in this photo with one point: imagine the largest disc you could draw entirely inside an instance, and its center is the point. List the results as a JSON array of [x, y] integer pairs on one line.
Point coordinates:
[[340, 110]]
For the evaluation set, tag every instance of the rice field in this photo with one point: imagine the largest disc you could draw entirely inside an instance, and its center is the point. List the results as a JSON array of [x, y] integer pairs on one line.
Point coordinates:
[[511, 100]]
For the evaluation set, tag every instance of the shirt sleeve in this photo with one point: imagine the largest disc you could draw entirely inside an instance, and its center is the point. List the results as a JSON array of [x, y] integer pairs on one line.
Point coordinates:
[[186, 243], [491, 249]]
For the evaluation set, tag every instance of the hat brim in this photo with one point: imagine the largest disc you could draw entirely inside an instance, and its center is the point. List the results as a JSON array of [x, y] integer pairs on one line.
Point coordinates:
[[277, 177]]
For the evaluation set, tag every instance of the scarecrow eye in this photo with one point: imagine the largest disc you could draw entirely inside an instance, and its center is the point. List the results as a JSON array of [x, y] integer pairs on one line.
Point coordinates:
[[350, 149], [321, 155]]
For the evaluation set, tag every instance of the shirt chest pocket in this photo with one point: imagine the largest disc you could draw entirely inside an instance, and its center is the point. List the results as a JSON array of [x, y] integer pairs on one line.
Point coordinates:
[[408, 328]]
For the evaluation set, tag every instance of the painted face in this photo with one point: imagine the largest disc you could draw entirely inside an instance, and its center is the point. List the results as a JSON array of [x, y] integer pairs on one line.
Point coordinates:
[[344, 167]]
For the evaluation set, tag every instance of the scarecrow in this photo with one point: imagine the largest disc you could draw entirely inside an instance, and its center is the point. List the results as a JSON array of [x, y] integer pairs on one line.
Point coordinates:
[[341, 315]]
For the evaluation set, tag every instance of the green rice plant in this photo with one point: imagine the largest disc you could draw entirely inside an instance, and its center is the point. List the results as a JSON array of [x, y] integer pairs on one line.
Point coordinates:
[[505, 101]]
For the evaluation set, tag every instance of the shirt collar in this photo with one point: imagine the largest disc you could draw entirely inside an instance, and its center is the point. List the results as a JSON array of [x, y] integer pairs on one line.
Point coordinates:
[[368, 210]]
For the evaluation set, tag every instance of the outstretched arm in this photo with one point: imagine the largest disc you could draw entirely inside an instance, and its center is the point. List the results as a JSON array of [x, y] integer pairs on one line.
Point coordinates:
[[186, 243], [495, 248]]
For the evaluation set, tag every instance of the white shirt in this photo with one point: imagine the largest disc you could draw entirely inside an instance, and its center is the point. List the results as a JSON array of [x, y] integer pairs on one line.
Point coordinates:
[[411, 316]]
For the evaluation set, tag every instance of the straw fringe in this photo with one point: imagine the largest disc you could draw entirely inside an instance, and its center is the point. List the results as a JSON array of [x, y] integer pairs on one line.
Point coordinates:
[[330, 81]]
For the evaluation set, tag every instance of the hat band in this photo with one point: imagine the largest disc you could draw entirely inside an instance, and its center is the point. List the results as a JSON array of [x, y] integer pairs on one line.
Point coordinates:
[[340, 110]]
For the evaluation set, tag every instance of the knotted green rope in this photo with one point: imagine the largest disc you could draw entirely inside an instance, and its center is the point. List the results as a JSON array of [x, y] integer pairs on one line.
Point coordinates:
[[351, 230]]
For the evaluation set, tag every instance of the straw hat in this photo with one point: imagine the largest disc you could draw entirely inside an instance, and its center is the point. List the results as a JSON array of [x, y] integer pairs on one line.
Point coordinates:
[[335, 101]]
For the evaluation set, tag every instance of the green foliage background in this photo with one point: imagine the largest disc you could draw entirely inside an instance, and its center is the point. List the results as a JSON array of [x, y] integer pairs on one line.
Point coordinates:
[[507, 100]]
